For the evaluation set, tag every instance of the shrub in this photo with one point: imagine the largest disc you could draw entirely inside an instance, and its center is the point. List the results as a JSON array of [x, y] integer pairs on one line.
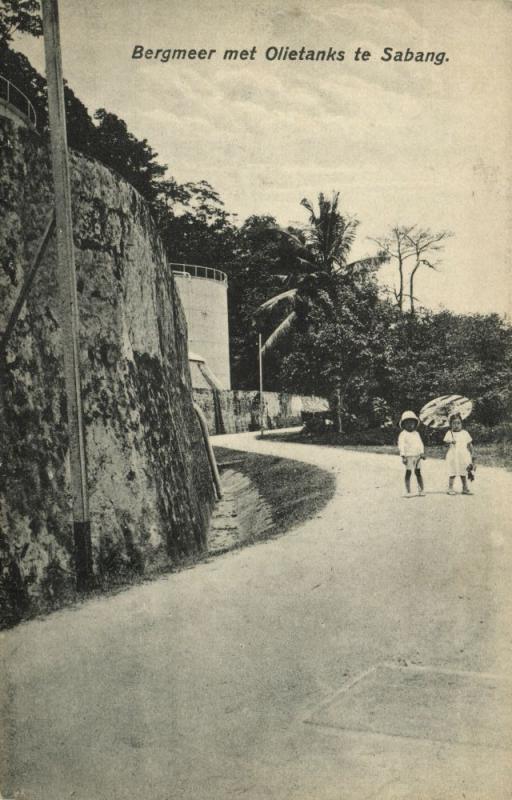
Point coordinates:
[[483, 434], [494, 407]]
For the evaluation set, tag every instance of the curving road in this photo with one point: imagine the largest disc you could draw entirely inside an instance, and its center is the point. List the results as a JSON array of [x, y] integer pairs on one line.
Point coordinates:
[[366, 654]]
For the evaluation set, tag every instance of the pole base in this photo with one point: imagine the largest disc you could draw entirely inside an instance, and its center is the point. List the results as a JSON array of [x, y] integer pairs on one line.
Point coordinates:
[[83, 556]]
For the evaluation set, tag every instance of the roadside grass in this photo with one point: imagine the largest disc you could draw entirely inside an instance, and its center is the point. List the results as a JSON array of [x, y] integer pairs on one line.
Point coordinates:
[[486, 455], [294, 491], [496, 454]]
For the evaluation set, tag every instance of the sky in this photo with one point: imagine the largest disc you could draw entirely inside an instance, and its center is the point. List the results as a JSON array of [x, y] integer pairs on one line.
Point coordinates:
[[403, 142]]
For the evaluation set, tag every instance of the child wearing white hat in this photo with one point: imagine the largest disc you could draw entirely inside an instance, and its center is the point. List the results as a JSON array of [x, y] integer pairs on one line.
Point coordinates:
[[412, 451]]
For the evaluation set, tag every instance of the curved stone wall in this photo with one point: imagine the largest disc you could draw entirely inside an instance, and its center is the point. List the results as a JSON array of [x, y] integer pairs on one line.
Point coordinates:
[[150, 487]]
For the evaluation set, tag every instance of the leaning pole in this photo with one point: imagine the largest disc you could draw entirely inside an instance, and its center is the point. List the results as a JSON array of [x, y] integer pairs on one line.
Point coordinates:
[[66, 277]]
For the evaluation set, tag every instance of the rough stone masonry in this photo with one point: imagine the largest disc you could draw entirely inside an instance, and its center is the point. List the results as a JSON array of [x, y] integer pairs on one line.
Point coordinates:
[[150, 487]]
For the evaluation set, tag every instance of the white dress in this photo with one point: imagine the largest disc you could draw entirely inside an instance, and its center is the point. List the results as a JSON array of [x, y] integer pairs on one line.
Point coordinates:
[[458, 457]]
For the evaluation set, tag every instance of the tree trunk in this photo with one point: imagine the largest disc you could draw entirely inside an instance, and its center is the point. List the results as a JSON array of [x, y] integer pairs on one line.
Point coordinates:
[[411, 289], [336, 406], [401, 286]]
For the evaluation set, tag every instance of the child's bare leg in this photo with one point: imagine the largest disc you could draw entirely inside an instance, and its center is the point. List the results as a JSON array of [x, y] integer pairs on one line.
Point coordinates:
[[408, 481], [419, 478], [465, 487]]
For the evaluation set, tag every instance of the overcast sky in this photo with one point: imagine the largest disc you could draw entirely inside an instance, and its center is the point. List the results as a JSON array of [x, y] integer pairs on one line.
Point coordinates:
[[404, 143]]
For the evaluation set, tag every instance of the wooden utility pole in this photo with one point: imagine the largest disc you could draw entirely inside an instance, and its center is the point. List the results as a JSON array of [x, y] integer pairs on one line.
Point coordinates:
[[262, 401], [66, 276]]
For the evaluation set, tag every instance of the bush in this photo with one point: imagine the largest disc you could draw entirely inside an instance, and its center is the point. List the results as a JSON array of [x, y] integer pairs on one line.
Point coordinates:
[[483, 434], [494, 407], [316, 421]]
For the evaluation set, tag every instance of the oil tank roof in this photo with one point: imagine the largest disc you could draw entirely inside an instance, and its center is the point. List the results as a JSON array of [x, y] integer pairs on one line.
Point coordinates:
[[196, 271], [14, 99]]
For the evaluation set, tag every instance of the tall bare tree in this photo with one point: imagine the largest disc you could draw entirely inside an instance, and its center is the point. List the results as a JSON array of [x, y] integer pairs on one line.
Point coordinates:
[[417, 246]]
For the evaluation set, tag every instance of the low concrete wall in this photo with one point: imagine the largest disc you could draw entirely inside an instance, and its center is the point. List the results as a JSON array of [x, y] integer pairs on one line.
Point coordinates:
[[239, 410]]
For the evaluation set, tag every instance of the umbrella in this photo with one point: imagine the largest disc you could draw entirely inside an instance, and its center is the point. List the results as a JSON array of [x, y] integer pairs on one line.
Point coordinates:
[[437, 413]]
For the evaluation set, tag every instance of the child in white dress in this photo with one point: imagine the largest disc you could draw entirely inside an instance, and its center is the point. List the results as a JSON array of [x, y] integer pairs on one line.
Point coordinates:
[[412, 451], [460, 454]]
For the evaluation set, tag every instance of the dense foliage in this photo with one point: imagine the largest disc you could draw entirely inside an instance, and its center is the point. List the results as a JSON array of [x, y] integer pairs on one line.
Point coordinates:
[[389, 361], [19, 16]]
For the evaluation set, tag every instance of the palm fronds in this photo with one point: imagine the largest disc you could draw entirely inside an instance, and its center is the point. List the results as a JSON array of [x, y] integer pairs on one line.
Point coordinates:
[[287, 297], [370, 263], [320, 255], [282, 329], [330, 235]]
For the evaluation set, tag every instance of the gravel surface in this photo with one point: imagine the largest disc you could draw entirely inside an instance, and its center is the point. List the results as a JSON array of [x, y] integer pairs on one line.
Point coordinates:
[[366, 654]]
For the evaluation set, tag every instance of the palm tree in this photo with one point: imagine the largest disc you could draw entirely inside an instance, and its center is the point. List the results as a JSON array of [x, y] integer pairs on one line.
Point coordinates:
[[321, 252]]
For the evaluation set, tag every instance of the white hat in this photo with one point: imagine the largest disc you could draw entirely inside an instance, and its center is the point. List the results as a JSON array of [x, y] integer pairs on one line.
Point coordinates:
[[408, 415]]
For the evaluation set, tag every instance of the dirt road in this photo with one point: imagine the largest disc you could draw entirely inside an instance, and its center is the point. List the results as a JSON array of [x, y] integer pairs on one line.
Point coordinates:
[[366, 654]]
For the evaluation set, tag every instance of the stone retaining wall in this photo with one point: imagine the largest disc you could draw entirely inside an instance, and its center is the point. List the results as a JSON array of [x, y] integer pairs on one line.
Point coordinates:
[[233, 411], [150, 486]]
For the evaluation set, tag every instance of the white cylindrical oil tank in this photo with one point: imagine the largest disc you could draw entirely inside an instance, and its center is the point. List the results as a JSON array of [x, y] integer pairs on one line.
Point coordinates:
[[15, 105], [204, 295]]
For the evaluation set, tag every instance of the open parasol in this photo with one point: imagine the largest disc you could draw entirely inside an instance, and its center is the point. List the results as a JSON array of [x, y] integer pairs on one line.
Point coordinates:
[[437, 413]]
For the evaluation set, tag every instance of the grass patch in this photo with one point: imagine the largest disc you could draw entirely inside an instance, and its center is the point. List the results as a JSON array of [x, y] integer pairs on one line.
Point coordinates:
[[487, 455], [294, 491], [495, 454]]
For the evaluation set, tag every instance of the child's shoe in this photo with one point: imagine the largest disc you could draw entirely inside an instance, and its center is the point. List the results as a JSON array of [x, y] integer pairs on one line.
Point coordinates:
[[451, 491], [421, 493]]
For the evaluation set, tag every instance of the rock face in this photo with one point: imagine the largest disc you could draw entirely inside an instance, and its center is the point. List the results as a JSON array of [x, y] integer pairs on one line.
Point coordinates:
[[150, 486]]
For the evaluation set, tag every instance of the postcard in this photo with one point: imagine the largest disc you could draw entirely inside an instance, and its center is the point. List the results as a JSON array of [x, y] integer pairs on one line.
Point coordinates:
[[255, 400]]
